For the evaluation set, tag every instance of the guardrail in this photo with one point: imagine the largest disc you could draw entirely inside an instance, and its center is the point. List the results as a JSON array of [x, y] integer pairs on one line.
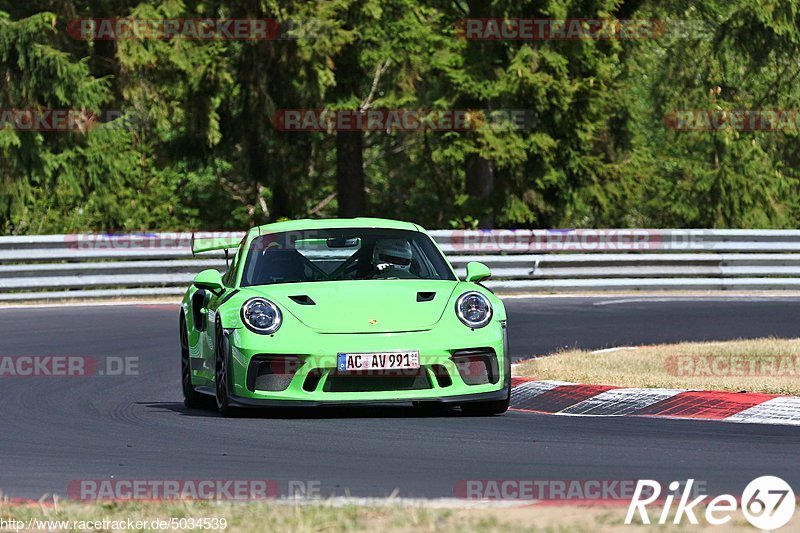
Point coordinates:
[[57, 267]]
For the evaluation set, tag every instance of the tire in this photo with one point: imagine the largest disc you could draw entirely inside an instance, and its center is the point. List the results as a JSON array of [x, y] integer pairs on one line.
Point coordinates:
[[495, 407], [191, 398], [222, 375]]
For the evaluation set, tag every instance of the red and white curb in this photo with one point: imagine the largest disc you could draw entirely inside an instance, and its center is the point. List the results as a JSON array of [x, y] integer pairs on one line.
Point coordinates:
[[564, 398]]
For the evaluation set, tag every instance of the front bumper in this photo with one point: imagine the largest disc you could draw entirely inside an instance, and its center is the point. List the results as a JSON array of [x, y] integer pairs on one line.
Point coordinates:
[[313, 373], [497, 395]]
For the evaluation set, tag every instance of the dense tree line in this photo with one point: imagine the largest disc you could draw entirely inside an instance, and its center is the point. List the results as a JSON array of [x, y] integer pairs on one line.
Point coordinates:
[[187, 136]]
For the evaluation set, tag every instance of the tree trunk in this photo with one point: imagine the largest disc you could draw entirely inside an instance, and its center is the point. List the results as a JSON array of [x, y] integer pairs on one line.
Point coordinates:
[[350, 173], [480, 180], [480, 185], [350, 180]]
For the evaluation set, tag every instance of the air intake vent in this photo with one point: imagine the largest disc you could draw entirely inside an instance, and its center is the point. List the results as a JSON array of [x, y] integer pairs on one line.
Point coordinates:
[[425, 296], [365, 383], [477, 367], [303, 300], [272, 372]]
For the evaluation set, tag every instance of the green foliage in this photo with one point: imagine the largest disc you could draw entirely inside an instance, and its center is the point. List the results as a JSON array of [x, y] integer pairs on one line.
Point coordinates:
[[744, 58], [196, 148]]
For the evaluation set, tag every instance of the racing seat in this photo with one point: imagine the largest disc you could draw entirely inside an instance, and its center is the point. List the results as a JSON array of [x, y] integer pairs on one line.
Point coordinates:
[[276, 265]]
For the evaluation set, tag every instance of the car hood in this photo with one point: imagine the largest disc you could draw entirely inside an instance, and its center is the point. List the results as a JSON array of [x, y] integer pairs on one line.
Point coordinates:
[[363, 306]]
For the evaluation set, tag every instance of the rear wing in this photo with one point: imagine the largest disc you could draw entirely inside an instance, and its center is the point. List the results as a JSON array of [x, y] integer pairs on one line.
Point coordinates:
[[210, 242]]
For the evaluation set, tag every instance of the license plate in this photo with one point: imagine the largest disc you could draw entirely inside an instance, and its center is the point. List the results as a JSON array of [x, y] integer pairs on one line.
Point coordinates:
[[377, 361]]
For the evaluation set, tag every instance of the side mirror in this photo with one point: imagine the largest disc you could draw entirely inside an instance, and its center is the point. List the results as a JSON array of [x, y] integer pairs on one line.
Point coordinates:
[[477, 272], [210, 280]]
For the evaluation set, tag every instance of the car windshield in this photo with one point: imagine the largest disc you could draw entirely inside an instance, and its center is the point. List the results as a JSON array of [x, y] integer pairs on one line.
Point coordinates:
[[343, 254]]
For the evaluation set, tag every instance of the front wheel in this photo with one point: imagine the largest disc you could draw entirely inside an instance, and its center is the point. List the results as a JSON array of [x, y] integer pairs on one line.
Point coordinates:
[[221, 375]]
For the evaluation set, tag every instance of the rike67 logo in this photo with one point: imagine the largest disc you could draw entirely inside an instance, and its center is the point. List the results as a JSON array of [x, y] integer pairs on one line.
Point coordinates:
[[767, 502]]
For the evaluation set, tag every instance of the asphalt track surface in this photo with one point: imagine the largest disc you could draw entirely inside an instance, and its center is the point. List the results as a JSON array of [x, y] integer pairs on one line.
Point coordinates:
[[54, 430]]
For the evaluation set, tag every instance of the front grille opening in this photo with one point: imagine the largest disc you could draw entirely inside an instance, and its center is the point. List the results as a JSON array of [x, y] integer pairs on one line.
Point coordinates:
[[312, 380], [442, 375], [272, 372], [388, 381], [477, 367]]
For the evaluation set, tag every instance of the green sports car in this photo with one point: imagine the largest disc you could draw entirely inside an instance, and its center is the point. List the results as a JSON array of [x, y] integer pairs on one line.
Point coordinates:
[[315, 312]]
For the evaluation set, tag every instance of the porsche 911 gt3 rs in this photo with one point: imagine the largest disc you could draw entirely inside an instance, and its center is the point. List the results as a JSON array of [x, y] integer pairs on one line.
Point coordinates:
[[314, 312]]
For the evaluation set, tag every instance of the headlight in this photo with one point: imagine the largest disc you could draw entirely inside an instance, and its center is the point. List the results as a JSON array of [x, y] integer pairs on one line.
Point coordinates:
[[474, 309], [261, 316]]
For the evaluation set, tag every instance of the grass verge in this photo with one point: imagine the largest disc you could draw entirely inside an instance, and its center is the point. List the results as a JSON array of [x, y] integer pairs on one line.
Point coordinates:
[[268, 516], [761, 365]]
